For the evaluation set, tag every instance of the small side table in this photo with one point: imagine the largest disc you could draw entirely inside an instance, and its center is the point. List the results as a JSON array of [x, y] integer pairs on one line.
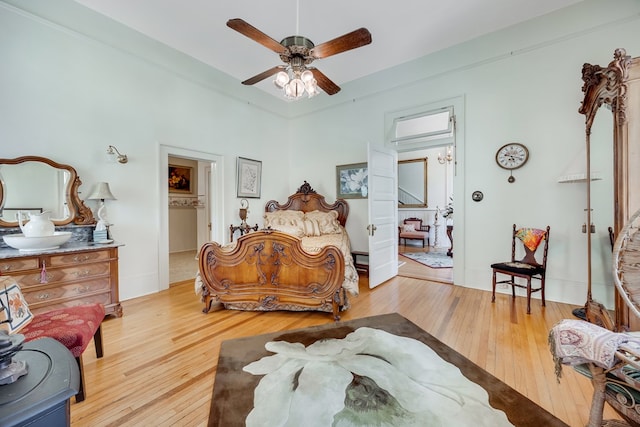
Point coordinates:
[[358, 263], [243, 228], [41, 397], [450, 235]]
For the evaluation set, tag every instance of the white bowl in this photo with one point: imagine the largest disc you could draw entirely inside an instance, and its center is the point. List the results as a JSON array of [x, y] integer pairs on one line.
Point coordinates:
[[19, 241]]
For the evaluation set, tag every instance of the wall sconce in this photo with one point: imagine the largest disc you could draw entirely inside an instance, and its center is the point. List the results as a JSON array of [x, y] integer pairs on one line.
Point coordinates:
[[447, 158], [113, 151]]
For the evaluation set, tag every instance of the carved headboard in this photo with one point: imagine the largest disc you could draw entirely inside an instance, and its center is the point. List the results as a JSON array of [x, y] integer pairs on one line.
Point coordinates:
[[306, 199]]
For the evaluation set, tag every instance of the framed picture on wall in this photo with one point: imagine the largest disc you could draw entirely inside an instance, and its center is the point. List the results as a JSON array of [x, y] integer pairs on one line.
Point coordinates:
[[249, 178], [352, 181], [180, 179]]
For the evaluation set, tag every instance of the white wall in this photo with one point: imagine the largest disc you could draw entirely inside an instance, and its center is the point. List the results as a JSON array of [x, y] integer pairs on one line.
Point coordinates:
[[73, 82], [522, 84], [68, 96]]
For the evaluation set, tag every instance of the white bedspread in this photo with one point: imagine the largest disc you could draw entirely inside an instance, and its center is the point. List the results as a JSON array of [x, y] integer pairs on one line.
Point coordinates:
[[341, 241]]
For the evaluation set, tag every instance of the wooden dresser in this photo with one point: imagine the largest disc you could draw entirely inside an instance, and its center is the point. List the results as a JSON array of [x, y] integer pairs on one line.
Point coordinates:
[[71, 276]]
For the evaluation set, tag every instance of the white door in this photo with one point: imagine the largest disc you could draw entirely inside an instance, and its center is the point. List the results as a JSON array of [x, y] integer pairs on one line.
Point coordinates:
[[383, 215]]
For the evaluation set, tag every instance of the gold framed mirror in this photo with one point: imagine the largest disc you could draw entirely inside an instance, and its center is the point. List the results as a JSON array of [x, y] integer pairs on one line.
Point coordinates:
[[412, 183], [38, 184]]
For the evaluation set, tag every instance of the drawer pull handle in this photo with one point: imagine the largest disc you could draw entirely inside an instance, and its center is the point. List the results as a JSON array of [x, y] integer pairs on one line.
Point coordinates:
[[82, 289], [83, 273], [43, 296], [7, 267], [79, 258]]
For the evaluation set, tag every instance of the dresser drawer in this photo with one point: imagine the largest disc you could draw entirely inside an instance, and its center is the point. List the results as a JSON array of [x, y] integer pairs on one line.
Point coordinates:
[[64, 274], [13, 265], [48, 305], [44, 293], [78, 258]]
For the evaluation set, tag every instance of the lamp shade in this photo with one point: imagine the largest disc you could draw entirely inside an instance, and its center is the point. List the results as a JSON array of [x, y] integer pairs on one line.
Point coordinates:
[[101, 191]]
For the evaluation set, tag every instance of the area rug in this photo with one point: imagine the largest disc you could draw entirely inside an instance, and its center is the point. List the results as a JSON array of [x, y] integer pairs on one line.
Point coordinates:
[[431, 259], [318, 376]]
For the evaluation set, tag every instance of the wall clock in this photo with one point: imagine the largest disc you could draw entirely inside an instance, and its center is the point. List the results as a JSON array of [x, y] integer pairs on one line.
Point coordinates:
[[512, 156]]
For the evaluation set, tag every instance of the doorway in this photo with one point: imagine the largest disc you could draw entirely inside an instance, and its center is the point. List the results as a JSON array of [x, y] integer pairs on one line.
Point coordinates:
[[196, 209], [438, 181], [435, 131]]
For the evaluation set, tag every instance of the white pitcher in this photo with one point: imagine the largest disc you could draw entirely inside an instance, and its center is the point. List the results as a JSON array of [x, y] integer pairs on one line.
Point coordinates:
[[39, 225]]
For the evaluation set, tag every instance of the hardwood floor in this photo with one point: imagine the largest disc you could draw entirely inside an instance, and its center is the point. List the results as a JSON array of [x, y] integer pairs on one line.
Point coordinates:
[[161, 356], [416, 270]]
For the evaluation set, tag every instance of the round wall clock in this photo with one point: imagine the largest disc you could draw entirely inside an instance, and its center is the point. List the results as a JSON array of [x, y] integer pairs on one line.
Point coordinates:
[[512, 156]]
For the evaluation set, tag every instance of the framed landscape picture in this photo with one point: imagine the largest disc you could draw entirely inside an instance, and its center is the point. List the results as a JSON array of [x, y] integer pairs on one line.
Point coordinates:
[[249, 178], [352, 181], [180, 179]]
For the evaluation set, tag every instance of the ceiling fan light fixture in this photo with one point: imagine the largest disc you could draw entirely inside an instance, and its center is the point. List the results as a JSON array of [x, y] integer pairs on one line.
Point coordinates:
[[306, 76], [281, 80]]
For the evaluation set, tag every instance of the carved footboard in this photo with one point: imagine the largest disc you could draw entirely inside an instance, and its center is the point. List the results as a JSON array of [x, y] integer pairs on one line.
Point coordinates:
[[268, 270]]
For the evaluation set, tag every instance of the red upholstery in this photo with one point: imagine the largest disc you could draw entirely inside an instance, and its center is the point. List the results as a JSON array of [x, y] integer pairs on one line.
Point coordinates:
[[73, 327]]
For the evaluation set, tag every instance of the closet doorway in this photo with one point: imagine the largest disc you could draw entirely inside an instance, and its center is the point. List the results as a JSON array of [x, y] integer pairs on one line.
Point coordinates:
[[192, 210]]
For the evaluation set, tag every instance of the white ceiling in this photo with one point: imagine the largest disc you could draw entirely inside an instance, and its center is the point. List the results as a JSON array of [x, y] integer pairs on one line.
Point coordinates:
[[401, 30]]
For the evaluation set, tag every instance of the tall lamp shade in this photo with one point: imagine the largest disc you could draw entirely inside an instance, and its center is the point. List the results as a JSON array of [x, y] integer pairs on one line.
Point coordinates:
[[102, 192]]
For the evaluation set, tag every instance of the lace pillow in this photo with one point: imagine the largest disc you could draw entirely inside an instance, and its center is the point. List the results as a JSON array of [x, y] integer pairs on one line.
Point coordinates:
[[408, 228], [289, 222], [327, 221]]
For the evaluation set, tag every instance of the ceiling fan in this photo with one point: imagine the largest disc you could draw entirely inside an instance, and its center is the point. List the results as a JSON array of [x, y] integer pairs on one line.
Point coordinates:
[[298, 52]]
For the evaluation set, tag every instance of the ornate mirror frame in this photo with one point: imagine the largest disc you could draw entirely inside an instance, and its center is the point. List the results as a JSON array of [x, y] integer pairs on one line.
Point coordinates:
[[609, 86], [79, 213], [419, 162]]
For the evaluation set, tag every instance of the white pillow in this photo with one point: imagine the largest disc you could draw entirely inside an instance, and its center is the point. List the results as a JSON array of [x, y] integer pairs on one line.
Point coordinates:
[[408, 228], [327, 221], [289, 222], [12, 298]]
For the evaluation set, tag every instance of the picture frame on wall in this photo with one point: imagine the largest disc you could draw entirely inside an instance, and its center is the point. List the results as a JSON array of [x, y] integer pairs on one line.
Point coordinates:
[[180, 179], [352, 181], [249, 178]]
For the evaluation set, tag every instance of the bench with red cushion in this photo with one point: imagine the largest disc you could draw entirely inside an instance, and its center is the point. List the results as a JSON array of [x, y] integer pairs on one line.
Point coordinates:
[[73, 327]]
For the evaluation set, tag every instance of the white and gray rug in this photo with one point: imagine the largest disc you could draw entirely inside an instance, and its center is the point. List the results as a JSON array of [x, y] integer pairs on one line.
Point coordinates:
[[431, 259]]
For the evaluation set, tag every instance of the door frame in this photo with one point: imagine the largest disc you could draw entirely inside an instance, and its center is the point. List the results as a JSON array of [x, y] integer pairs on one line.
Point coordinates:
[[458, 190], [216, 201]]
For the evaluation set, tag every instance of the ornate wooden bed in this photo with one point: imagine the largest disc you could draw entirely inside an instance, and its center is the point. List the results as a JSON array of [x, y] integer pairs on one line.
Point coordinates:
[[271, 270]]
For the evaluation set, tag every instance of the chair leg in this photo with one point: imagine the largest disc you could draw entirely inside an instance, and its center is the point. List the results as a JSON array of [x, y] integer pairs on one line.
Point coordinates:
[[529, 295], [97, 341], [542, 291], [493, 293], [513, 287], [80, 394]]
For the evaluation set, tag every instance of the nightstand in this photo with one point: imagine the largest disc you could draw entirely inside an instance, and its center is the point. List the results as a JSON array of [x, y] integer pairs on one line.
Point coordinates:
[[41, 397]]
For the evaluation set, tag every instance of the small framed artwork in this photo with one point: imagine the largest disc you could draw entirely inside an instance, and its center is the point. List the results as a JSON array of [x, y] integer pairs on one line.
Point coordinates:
[[249, 178], [180, 179], [352, 181]]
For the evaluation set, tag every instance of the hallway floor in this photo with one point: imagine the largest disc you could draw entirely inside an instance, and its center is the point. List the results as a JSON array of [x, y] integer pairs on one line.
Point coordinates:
[[182, 266]]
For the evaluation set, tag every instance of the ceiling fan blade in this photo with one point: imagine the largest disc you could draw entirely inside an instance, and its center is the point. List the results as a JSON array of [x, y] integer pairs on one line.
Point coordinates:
[[352, 40], [260, 77], [255, 34], [324, 82]]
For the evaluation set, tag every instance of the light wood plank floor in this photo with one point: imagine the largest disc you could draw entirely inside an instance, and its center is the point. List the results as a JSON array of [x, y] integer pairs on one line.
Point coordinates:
[[161, 356]]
